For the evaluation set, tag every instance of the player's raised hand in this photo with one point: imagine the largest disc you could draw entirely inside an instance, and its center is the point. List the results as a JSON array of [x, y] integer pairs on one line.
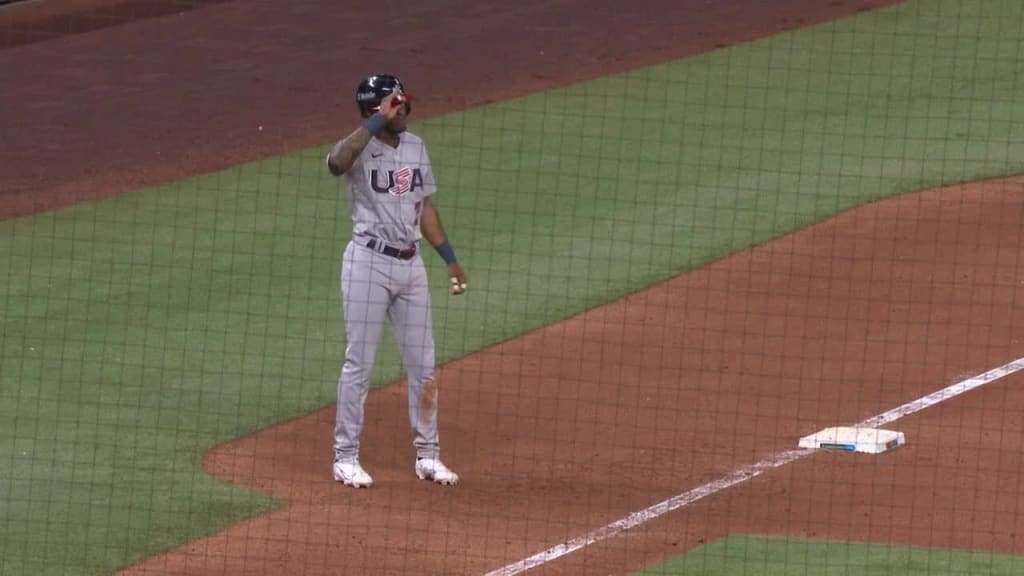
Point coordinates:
[[390, 105]]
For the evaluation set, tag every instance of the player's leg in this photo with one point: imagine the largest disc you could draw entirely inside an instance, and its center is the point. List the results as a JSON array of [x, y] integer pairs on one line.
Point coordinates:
[[411, 318], [365, 297]]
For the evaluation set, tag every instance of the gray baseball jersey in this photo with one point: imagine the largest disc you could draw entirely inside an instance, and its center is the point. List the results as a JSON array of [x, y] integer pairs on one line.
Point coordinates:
[[386, 188]]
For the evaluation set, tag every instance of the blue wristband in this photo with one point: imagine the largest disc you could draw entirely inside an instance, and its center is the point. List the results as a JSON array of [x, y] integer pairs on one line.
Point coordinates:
[[375, 123], [446, 252]]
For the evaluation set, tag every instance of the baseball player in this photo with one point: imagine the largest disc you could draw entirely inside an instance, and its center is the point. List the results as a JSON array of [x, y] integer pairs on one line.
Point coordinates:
[[383, 278]]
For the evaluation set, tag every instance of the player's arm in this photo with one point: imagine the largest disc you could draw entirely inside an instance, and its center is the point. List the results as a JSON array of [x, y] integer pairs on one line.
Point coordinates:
[[344, 152], [433, 231]]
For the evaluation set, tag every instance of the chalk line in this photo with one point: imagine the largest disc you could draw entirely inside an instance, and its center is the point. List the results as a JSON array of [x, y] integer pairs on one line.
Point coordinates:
[[746, 473]]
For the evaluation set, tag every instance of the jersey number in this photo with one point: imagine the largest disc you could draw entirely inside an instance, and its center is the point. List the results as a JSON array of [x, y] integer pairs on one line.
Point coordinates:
[[418, 207]]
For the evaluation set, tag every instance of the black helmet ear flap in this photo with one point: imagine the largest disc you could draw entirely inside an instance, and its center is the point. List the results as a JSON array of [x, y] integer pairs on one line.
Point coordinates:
[[367, 97]]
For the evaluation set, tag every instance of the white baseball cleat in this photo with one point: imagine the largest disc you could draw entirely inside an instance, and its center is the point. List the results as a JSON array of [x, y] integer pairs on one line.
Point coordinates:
[[350, 473], [434, 469]]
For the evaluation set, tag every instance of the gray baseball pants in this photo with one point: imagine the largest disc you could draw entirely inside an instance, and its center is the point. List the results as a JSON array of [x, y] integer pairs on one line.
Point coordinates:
[[377, 288]]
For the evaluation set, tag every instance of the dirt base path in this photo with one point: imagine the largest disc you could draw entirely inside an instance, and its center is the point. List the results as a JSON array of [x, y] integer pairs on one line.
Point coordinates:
[[29, 21], [578, 424]]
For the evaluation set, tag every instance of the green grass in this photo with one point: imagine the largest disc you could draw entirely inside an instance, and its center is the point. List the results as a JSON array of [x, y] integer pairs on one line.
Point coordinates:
[[138, 331], [779, 556]]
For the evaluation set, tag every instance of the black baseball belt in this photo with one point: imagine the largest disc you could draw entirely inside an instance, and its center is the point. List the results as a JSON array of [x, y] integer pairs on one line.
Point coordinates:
[[400, 253]]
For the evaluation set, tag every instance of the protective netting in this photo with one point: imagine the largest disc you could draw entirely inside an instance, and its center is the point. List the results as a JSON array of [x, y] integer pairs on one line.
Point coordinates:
[[691, 235]]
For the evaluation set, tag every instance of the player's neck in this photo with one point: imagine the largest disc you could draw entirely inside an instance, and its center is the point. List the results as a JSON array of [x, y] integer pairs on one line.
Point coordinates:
[[388, 137]]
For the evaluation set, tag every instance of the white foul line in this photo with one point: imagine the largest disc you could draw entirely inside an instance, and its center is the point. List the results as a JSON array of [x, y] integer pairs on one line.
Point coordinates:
[[746, 473]]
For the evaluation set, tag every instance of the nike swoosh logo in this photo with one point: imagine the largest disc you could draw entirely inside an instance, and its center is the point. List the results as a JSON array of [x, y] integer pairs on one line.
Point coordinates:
[[377, 155]]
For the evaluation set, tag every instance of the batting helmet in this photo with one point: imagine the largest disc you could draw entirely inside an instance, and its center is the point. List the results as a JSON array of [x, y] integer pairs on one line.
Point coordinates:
[[374, 89]]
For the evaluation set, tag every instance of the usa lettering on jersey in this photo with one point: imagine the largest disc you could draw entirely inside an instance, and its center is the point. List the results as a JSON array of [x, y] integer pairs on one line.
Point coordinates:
[[399, 182]]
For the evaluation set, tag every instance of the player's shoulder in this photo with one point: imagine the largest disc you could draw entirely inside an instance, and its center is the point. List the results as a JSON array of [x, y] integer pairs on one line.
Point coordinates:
[[415, 147], [412, 138]]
